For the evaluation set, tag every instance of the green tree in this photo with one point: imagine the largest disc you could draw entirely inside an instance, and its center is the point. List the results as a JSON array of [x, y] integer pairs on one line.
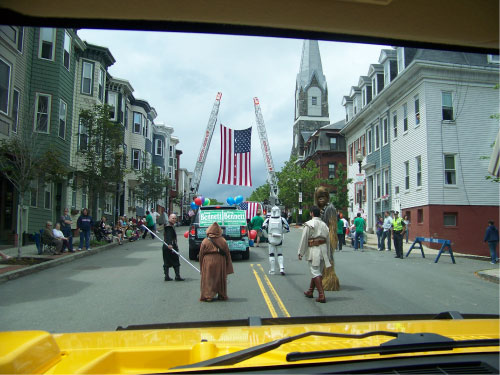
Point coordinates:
[[260, 194], [341, 198], [292, 177], [153, 186], [23, 161], [214, 201], [103, 159]]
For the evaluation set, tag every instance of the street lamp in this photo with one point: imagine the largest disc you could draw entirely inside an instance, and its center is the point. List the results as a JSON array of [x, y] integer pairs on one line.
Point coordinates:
[[299, 216], [359, 159]]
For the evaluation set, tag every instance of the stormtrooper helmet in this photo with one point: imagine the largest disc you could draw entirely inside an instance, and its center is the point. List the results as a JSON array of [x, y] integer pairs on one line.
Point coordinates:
[[275, 211]]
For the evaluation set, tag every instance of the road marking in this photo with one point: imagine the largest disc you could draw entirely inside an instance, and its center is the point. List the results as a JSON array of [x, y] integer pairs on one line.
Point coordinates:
[[275, 294], [264, 293]]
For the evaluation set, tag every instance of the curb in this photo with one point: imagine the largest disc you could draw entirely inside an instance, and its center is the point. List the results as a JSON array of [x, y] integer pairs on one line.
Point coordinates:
[[485, 276], [14, 274]]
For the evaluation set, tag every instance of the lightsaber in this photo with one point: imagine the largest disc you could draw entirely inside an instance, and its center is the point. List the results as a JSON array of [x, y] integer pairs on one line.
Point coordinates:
[[176, 252]]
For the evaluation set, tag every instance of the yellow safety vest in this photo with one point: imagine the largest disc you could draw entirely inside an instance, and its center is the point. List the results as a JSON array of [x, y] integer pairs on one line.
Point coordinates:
[[398, 224]]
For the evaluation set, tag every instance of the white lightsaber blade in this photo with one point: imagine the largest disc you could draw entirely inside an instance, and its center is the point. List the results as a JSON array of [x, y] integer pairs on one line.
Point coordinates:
[[176, 252]]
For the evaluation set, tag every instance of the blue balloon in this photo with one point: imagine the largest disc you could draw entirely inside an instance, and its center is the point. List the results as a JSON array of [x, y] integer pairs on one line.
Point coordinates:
[[238, 199], [230, 201], [194, 206]]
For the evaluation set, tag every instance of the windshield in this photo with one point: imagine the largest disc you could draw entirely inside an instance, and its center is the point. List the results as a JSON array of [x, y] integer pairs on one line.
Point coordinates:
[[377, 158]]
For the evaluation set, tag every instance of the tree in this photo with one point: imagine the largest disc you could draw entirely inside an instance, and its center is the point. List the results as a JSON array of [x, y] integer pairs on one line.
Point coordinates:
[[214, 201], [260, 194], [288, 182], [341, 198], [152, 186], [23, 161], [102, 153]]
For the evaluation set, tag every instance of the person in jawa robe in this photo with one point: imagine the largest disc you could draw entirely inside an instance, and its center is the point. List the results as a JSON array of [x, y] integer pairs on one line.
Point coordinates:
[[329, 217], [171, 259], [215, 265]]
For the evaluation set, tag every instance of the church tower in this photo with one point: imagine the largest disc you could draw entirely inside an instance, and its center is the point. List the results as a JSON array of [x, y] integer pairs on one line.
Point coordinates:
[[311, 97]]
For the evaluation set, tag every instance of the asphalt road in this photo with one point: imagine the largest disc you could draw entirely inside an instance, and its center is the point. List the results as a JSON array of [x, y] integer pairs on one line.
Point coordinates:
[[124, 286]]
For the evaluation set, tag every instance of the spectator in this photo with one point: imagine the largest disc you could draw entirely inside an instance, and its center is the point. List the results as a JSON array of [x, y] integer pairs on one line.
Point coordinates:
[[84, 224], [49, 239], [379, 227], [118, 232], [150, 225], [58, 234], [66, 223], [407, 223], [360, 225], [387, 231], [491, 236]]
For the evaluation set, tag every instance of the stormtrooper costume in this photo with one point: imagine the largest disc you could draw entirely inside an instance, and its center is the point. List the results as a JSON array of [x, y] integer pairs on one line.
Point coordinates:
[[275, 226]]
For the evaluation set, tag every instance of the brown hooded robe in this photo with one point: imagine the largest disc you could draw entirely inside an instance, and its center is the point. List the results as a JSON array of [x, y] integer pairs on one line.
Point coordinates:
[[215, 264]]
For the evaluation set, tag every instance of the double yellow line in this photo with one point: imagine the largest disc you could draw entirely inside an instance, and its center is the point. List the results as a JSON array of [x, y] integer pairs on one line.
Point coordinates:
[[267, 299]]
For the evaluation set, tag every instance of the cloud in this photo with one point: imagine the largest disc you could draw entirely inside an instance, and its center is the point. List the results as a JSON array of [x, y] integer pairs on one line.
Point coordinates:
[[180, 74]]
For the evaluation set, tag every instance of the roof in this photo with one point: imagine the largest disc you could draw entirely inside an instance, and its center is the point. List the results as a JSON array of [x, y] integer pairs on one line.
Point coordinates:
[[306, 135], [334, 126], [452, 57], [310, 65]]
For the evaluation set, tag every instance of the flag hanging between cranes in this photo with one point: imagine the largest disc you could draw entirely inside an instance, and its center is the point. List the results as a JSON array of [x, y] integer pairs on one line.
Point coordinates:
[[235, 156]]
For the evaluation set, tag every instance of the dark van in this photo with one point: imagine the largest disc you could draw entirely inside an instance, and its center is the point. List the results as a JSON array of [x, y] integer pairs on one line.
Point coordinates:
[[234, 228]]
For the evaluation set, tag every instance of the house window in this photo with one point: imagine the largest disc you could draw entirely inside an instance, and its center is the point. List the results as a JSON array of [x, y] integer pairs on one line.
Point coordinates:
[[386, 182], [450, 219], [20, 37], [369, 136], [447, 106], [62, 118], [124, 160], [73, 199], [333, 143], [374, 86], [419, 171], [42, 115], [113, 105], [379, 185], [4, 86], [385, 131], [47, 42], [159, 147], [9, 32], [350, 154], [124, 110], [87, 77], [449, 170], [84, 199], [314, 100], [136, 159], [363, 145], [395, 124], [100, 88], [387, 73], [493, 59], [417, 110], [396, 190], [47, 193], [15, 110], [377, 137], [420, 216], [137, 123], [407, 175], [83, 136], [67, 50], [34, 193], [405, 118], [363, 97], [109, 203], [331, 170]]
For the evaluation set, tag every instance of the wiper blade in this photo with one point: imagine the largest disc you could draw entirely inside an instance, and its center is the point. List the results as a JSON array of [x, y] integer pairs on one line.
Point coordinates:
[[404, 343], [242, 355]]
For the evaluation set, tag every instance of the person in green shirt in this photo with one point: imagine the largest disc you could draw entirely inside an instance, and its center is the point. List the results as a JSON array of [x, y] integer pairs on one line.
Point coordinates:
[[256, 224], [340, 232], [150, 224], [360, 225]]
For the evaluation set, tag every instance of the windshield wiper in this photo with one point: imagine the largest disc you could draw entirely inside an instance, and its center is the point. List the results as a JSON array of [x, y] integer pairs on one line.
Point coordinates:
[[241, 355], [403, 343]]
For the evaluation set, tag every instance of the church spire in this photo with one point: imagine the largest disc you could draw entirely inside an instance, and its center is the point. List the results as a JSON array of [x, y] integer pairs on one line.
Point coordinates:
[[310, 65]]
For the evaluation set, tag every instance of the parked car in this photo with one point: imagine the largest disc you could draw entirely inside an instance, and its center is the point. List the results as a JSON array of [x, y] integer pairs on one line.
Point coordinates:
[[234, 228]]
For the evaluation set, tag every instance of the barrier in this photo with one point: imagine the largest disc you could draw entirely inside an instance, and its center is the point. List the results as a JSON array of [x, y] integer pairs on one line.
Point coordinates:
[[444, 244]]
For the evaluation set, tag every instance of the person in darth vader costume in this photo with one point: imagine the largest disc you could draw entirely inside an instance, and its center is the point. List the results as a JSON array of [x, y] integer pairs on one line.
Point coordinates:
[[170, 258]]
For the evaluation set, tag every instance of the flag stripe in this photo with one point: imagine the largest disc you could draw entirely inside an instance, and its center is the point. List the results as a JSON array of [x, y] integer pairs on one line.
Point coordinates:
[[221, 153]]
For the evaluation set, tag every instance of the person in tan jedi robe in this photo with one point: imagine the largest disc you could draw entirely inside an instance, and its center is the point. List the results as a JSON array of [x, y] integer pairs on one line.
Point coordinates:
[[329, 217], [215, 265], [313, 246]]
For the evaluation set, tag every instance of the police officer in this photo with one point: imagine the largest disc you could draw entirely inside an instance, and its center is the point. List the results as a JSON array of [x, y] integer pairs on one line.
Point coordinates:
[[398, 231], [274, 225]]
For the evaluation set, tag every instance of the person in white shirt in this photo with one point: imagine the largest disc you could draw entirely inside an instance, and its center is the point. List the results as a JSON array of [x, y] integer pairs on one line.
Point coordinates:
[[387, 231], [59, 234], [346, 225], [155, 216]]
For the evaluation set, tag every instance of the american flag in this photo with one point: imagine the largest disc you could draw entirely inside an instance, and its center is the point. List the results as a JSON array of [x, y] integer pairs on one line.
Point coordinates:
[[250, 208], [235, 157]]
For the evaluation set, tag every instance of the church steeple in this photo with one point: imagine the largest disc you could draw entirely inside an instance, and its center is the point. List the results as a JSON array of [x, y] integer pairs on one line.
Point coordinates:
[[311, 97]]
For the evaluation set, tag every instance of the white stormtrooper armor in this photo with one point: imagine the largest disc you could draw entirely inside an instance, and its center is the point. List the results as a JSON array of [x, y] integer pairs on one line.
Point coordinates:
[[275, 225]]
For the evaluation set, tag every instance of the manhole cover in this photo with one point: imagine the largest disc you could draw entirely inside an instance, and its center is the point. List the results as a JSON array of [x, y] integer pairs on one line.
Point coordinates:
[[87, 268]]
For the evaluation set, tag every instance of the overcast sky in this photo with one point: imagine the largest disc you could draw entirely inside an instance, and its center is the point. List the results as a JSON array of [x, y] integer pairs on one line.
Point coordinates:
[[180, 75]]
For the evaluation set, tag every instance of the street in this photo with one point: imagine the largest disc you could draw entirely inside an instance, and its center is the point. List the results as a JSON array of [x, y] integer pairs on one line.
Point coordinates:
[[124, 286]]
